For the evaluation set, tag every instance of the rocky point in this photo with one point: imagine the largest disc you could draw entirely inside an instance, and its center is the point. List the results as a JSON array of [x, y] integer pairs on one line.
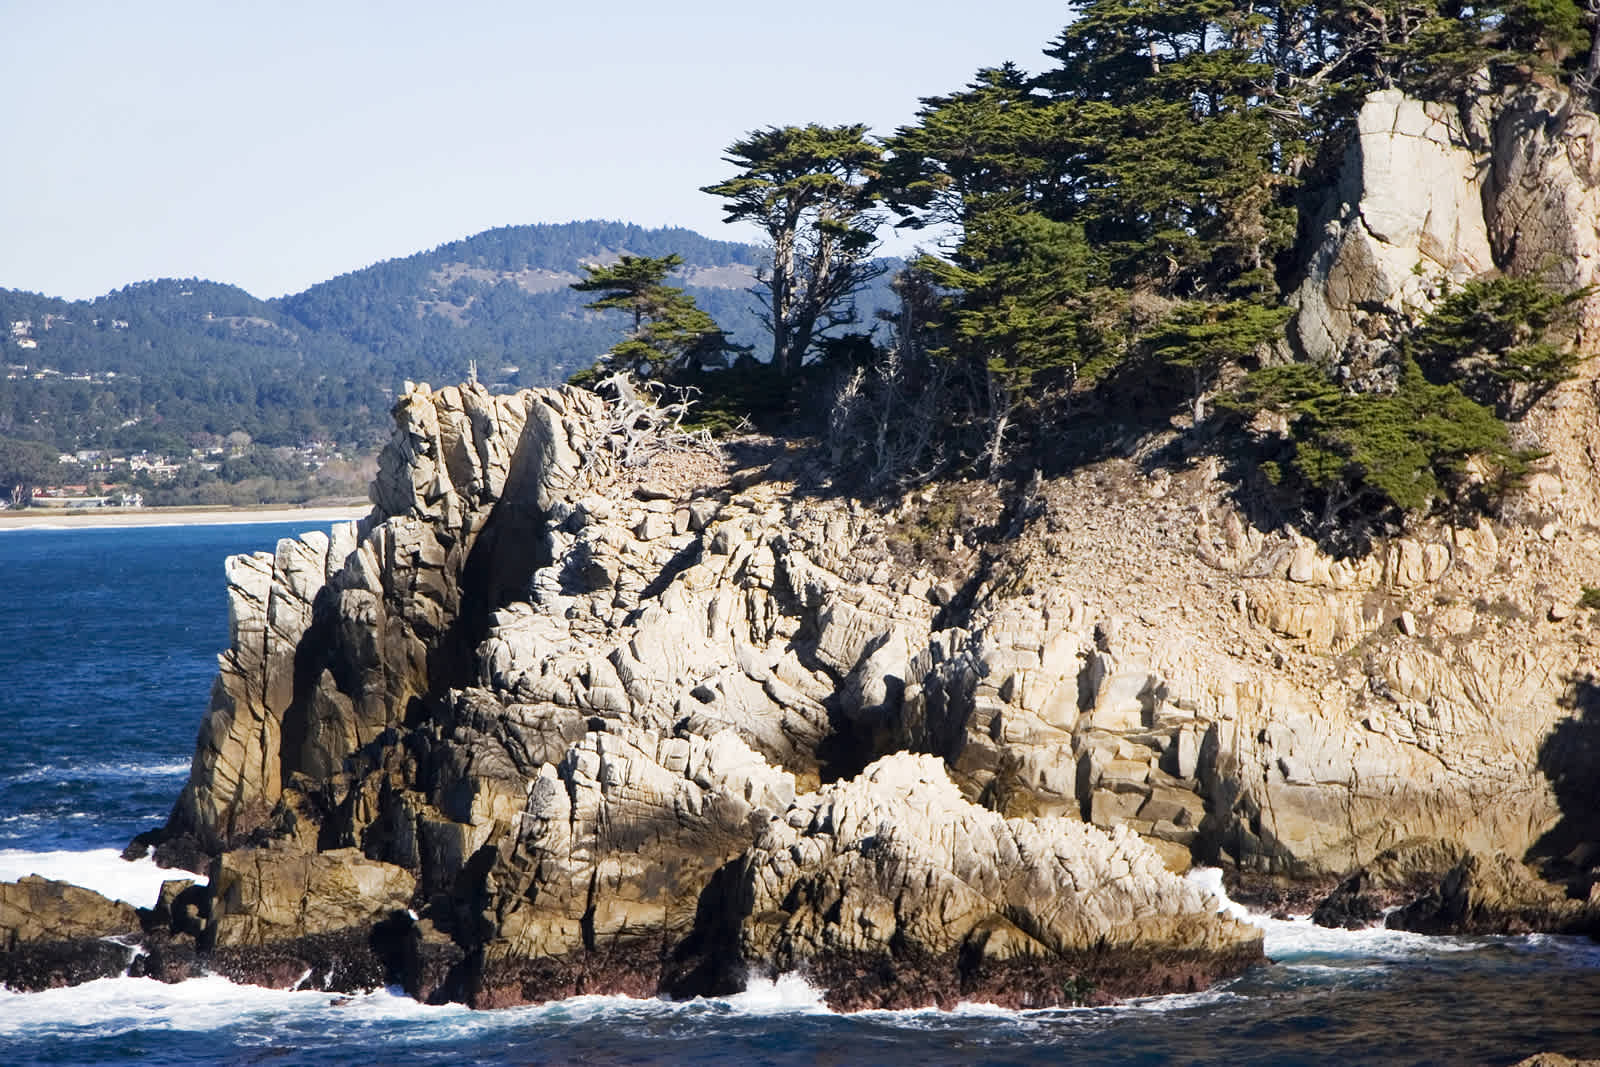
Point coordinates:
[[568, 715]]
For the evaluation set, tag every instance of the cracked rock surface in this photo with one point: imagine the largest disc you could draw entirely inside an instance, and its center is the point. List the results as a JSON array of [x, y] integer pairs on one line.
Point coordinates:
[[549, 723]]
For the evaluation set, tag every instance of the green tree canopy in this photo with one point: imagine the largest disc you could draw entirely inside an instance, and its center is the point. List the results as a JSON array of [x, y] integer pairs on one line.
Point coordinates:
[[808, 188], [1505, 341], [669, 333], [1409, 448], [26, 464]]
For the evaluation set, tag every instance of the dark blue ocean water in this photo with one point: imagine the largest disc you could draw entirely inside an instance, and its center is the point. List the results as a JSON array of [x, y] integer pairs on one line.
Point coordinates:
[[108, 645], [108, 641]]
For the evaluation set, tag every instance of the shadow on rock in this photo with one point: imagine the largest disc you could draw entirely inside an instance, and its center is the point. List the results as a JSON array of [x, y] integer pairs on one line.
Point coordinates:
[[1569, 758]]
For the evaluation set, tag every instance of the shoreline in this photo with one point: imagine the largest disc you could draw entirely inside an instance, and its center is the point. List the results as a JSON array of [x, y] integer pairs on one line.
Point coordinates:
[[119, 518]]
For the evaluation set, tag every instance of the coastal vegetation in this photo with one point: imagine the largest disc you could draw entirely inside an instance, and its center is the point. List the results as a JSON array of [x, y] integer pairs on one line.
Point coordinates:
[[1113, 245]]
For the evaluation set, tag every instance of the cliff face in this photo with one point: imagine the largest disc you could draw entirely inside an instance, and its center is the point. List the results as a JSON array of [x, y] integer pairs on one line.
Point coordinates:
[[578, 716], [556, 720]]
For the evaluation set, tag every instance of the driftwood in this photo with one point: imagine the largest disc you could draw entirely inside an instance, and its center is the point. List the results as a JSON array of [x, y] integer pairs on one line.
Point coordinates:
[[644, 426]]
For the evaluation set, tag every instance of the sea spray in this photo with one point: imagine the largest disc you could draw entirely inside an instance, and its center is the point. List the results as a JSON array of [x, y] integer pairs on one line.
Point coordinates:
[[136, 882], [1297, 937]]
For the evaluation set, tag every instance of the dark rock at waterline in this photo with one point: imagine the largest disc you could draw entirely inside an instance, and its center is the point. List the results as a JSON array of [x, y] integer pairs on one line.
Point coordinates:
[[344, 961], [858, 982], [429, 963], [1354, 904], [504, 980], [39, 965], [1276, 895], [56, 934], [1396, 877], [854, 981], [167, 959], [1497, 895]]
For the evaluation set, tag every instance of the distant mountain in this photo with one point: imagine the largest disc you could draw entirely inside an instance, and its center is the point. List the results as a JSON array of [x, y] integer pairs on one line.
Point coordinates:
[[158, 362], [502, 298]]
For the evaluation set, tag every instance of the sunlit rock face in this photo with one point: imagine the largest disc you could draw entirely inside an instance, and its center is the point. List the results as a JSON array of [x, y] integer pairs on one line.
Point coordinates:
[[554, 719]]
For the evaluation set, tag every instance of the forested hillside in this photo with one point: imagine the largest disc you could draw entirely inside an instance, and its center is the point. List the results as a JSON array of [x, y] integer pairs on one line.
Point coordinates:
[[502, 298], [157, 363]]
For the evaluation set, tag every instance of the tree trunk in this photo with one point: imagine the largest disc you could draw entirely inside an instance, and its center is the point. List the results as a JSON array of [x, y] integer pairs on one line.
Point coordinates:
[[782, 300], [1000, 406], [1583, 85]]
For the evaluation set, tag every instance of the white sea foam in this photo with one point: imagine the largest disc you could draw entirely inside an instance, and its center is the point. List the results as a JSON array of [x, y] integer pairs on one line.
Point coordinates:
[[1286, 940], [138, 882], [788, 994], [118, 771], [115, 1005], [1579, 950], [1209, 881]]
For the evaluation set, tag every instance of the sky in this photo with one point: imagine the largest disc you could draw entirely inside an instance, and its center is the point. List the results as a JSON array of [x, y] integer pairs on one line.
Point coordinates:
[[276, 145]]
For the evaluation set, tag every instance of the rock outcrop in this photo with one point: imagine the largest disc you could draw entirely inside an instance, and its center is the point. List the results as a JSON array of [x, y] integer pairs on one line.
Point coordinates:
[[56, 934], [559, 717], [1497, 895], [1406, 217], [546, 723], [893, 890]]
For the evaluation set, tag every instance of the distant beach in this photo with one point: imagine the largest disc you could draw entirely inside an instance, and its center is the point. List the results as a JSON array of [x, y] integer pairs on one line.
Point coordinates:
[[102, 518]]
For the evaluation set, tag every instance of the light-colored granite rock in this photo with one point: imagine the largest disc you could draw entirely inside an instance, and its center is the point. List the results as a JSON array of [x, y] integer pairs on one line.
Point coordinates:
[[896, 865], [1407, 216]]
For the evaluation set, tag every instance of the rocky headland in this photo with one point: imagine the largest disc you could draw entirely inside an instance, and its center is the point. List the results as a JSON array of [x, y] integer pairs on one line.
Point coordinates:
[[564, 716]]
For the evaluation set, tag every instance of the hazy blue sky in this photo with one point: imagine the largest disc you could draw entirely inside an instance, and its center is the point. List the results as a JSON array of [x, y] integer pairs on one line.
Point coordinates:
[[274, 145]]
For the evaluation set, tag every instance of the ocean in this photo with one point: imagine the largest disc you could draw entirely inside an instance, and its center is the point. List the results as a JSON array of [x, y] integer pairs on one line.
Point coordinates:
[[108, 642]]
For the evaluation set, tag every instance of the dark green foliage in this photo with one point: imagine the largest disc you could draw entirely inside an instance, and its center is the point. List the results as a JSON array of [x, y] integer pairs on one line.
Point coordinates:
[[1183, 158], [1028, 307], [27, 464], [1408, 449], [1504, 341], [749, 394], [503, 298], [1435, 49], [1133, 211], [184, 356], [193, 357], [808, 188], [1127, 208], [1550, 30], [996, 145], [670, 333], [1200, 338]]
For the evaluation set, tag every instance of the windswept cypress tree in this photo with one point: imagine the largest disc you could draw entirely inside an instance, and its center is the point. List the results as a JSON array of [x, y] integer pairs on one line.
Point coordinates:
[[669, 334], [809, 189]]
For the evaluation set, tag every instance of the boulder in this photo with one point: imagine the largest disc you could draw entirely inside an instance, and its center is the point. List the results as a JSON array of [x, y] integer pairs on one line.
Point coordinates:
[[894, 891], [56, 934], [1496, 895], [277, 893]]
